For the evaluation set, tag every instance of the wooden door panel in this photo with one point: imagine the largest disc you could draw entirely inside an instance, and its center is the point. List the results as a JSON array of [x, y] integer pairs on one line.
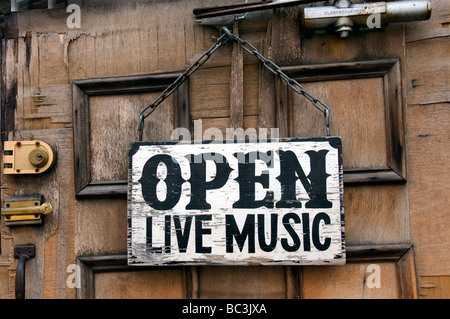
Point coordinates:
[[352, 281], [357, 115], [114, 122], [375, 214], [101, 227], [362, 79], [106, 115], [244, 282], [366, 110], [153, 284]]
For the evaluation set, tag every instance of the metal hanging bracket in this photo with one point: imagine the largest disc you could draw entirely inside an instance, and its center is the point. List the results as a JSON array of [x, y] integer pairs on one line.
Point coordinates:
[[227, 35]]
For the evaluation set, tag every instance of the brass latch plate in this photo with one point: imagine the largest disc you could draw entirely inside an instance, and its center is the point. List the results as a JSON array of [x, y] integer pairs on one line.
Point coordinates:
[[24, 210]]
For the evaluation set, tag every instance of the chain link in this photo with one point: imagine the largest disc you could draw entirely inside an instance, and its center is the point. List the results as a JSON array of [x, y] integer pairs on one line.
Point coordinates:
[[226, 35], [177, 83]]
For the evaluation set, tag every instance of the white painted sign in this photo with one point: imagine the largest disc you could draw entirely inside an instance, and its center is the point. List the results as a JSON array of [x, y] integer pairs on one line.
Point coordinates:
[[236, 203]]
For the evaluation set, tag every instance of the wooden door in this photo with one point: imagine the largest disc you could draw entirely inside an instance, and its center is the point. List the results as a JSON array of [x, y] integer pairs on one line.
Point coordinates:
[[81, 91]]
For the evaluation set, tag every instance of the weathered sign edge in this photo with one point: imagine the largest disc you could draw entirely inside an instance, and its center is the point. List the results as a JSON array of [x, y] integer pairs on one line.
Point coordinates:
[[340, 259]]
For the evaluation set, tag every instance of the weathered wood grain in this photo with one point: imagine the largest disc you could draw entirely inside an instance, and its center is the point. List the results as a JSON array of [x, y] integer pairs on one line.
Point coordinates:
[[381, 219], [356, 115], [268, 282], [436, 27], [155, 284], [427, 87], [349, 282], [41, 57], [434, 287], [428, 189], [54, 240], [427, 79], [118, 101], [237, 83], [109, 143]]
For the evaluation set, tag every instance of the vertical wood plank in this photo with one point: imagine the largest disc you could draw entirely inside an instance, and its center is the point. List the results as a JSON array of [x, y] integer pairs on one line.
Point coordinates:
[[407, 276], [9, 86], [50, 263], [191, 282], [428, 171], [283, 46], [351, 282], [237, 83], [86, 290], [284, 107], [293, 282], [182, 114], [266, 89], [394, 120], [81, 141], [286, 43], [54, 239], [8, 92]]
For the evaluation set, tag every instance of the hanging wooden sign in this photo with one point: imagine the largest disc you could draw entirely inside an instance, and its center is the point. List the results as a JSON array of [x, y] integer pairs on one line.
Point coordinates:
[[274, 202]]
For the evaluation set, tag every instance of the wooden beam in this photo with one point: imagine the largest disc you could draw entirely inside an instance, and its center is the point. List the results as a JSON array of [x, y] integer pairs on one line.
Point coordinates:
[[237, 83]]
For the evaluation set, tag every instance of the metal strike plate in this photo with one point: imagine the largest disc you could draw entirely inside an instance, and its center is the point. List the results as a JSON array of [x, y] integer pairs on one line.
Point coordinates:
[[27, 157], [24, 210]]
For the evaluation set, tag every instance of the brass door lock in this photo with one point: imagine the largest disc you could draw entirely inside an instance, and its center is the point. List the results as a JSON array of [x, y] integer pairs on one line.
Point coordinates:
[[27, 157]]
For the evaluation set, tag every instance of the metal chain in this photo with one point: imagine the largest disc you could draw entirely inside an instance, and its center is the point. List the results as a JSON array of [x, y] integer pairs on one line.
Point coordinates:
[[275, 69], [177, 83], [249, 48]]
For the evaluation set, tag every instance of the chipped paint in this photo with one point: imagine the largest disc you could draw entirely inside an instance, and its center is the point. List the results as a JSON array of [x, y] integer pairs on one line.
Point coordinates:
[[229, 208]]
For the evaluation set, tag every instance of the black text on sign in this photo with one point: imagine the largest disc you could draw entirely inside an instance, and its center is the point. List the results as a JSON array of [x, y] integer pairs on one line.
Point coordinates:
[[230, 203]]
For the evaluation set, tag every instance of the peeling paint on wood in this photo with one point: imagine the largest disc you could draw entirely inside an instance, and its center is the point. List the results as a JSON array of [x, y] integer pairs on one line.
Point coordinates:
[[236, 203]]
